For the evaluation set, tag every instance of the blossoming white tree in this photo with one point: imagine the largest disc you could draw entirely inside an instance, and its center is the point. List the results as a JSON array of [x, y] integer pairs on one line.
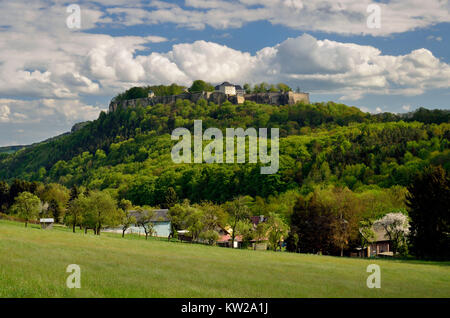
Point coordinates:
[[396, 226]]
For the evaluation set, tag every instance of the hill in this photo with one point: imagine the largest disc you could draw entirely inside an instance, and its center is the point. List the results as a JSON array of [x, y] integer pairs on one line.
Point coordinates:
[[115, 267], [128, 151]]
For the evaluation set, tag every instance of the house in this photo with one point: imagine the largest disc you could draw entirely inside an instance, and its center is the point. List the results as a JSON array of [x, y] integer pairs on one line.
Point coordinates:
[[46, 223], [225, 238], [381, 245], [160, 221], [230, 89]]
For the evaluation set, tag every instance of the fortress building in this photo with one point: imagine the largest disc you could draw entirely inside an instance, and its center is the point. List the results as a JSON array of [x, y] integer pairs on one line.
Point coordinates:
[[223, 92], [230, 89]]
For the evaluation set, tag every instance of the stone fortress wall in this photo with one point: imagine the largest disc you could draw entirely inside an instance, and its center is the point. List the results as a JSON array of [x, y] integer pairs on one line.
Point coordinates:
[[273, 98]]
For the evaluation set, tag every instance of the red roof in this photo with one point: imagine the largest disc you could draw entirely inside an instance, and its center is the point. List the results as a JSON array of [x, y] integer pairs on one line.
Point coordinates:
[[227, 238]]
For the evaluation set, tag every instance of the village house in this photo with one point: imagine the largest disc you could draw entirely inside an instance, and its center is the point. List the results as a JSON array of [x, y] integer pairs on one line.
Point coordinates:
[[225, 237], [381, 245]]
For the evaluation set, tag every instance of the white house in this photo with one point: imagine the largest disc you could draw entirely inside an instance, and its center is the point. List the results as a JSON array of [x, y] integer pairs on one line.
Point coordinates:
[[229, 89]]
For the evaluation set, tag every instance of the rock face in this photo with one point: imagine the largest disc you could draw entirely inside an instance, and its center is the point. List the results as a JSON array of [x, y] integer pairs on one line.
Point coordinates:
[[288, 98], [277, 98], [78, 126]]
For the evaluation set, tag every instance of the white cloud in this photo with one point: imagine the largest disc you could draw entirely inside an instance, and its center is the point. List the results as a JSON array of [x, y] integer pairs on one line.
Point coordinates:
[[4, 113], [406, 107], [56, 69], [341, 16], [432, 37], [46, 110]]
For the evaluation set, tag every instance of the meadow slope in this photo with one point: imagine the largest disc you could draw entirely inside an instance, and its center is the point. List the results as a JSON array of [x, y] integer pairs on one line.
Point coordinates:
[[33, 264]]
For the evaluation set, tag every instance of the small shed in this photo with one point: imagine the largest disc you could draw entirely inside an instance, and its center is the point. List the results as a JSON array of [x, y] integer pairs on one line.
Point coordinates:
[[46, 223]]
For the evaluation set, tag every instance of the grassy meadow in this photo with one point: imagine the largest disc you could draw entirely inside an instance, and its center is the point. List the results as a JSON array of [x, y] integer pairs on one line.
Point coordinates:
[[33, 264]]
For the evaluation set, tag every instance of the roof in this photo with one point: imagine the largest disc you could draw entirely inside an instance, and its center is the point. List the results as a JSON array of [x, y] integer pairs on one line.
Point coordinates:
[[48, 220], [238, 87], [380, 233], [227, 238], [257, 219], [159, 215]]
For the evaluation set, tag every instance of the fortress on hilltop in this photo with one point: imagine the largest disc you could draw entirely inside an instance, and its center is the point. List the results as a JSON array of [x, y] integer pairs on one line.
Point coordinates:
[[223, 92]]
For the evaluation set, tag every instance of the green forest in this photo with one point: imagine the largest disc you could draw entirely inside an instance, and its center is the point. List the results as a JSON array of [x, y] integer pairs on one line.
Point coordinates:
[[335, 160]]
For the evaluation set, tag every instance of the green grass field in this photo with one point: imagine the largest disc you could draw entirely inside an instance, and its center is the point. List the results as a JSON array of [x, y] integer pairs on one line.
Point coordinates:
[[33, 264]]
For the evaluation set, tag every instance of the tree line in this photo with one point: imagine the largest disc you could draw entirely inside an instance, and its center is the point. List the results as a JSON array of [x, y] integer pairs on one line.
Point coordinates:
[[330, 220]]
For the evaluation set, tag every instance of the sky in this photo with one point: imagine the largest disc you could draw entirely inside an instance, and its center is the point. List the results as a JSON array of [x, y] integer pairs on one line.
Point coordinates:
[[61, 62]]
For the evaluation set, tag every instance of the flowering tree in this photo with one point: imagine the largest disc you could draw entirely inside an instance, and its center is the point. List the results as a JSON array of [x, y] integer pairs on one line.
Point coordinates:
[[278, 230], [396, 226]]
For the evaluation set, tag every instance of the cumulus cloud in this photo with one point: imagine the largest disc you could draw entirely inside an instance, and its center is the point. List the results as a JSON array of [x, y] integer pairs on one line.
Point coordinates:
[[317, 65], [4, 113], [48, 71], [46, 110], [341, 16]]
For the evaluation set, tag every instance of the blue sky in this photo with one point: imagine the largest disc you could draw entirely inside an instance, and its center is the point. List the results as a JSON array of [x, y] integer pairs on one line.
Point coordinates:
[[52, 75]]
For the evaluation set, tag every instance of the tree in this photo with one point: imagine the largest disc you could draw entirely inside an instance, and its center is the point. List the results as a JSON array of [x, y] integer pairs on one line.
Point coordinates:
[[237, 210], [245, 229], [102, 209], [76, 211], [27, 206], [4, 195], [248, 89], [55, 210], [346, 211], [261, 88], [292, 242], [18, 186], [55, 191], [201, 86], [132, 93], [283, 87], [143, 218], [210, 236], [171, 198], [397, 228], [429, 211], [277, 230], [178, 216], [366, 233], [213, 216], [127, 217], [74, 193], [311, 221], [194, 222]]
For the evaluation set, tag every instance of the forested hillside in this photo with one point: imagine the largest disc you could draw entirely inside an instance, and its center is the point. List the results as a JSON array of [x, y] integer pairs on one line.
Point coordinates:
[[129, 151], [335, 162]]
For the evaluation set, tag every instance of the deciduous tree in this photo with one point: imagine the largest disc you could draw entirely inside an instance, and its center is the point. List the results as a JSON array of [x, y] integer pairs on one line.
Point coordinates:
[[27, 206]]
